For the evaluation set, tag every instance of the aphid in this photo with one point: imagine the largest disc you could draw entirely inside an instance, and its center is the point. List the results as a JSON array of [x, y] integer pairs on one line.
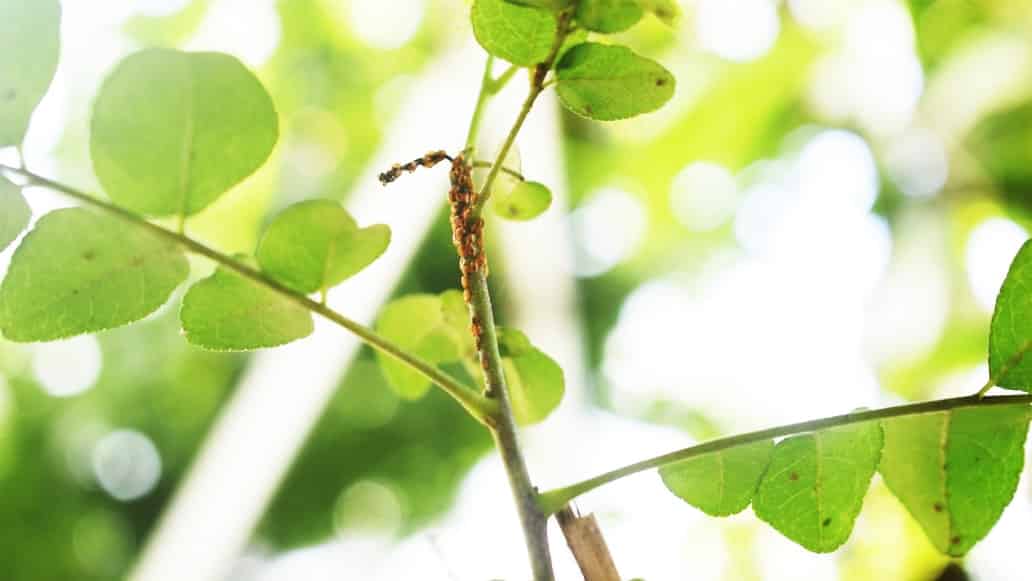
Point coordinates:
[[429, 160]]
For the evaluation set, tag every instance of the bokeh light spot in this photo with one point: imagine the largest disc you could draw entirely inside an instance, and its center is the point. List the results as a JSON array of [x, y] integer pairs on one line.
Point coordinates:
[[607, 228], [837, 166], [704, 195], [368, 506], [386, 25], [918, 163], [126, 464], [69, 367], [157, 8], [743, 30], [990, 250], [253, 39]]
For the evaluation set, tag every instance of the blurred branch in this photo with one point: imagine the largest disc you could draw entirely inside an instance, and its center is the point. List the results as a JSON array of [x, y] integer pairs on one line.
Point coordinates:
[[554, 500], [480, 407], [587, 545]]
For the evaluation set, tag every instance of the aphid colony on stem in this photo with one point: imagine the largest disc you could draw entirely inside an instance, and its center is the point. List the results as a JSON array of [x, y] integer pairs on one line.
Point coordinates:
[[467, 228]]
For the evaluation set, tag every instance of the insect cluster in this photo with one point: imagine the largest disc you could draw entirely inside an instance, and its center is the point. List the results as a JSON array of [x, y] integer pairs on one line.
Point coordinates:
[[467, 229]]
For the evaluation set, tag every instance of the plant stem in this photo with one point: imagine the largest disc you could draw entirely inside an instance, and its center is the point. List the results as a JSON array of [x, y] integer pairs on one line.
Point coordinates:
[[480, 407], [503, 425], [553, 500], [503, 79], [487, 90], [506, 439], [503, 429]]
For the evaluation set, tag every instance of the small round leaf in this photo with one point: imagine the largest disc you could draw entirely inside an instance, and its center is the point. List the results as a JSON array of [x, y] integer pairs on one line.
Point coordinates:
[[607, 83], [433, 327], [525, 201], [535, 381], [522, 35], [172, 131], [608, 16], [227, 312], [315, 245]]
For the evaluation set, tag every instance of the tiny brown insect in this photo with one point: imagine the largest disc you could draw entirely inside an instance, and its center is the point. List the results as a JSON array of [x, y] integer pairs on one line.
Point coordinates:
[[429, 160]]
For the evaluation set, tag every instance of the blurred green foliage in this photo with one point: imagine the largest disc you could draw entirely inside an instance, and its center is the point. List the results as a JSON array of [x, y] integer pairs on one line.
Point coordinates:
[[335, 96]]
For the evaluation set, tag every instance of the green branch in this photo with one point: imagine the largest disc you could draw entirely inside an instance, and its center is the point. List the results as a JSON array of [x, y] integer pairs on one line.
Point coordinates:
[[503, 428], [553, 500], [537, 86], [480, 407]]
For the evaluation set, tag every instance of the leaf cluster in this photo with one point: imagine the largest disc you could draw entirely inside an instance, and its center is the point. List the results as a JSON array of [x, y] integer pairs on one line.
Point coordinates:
[[593, 78], [955, 470]]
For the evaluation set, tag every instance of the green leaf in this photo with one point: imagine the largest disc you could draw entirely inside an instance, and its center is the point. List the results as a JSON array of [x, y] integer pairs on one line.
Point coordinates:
[[608, 15], [721, 483], [433, 327], [1010, 333], [815, 484], [524, 201], [227, 312], [173, 131], [1002, 143], [79, 272], [535, 381], [521, 35], [30, 38], [955, 471], [666, 10], [315, 245], [14, 213], [607, 83]]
